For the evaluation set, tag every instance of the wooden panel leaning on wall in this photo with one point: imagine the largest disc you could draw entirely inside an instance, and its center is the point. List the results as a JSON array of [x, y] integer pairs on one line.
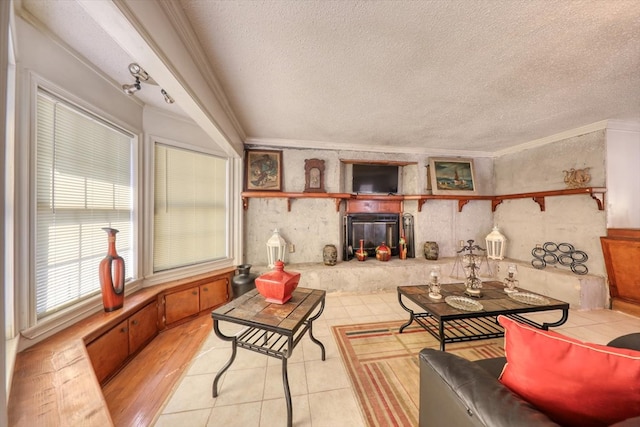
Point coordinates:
[[621, 250], [54, 381]]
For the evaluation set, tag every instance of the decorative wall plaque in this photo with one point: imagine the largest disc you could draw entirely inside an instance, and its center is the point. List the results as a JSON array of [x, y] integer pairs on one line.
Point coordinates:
[[314, 176]]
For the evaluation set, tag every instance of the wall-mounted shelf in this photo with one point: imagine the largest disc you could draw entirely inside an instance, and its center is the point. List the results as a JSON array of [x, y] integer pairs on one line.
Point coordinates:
[[462, 200], [338, 197], [596, 193]]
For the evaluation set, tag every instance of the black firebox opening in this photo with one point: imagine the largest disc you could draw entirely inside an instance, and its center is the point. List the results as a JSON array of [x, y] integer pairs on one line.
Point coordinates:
[[373, 229]]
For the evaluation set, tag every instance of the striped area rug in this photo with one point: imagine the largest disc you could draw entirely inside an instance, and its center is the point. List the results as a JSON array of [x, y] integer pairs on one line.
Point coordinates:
[[383, 367]]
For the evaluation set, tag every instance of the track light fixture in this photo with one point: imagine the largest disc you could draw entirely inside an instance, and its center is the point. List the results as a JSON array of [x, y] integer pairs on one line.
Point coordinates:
[[137, 72], [167, 98], [132, 88], [142, 76]]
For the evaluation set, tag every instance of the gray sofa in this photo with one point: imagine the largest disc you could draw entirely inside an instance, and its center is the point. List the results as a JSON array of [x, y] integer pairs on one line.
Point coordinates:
[[457, 392]]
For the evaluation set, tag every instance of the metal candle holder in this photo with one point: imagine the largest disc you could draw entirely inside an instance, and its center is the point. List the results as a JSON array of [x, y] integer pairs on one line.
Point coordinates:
[[471, 266]]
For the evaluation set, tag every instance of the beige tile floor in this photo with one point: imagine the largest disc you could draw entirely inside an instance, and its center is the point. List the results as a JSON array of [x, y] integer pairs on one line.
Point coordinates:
[[251, 393]]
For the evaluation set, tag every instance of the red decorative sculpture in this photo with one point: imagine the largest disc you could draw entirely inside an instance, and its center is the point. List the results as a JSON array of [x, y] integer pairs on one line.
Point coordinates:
[[277, 285], [112, 275]]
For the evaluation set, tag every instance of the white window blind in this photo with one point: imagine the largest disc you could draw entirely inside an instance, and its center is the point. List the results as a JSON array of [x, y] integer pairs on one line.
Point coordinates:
[[190, 208], [84, 183]]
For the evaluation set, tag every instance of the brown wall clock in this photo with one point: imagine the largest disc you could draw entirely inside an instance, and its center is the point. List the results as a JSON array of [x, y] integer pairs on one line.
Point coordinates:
[[314, 176]]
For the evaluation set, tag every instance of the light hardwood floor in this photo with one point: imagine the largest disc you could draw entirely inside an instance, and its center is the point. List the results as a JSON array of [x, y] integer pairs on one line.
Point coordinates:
[[138, 392]]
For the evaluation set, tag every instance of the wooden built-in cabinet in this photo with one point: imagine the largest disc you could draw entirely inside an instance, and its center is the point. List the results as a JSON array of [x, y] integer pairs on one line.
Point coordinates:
[[109, 352], [143, 326], [180, 305], [621, 250], [214, 294], [51, 382], [188, 301]]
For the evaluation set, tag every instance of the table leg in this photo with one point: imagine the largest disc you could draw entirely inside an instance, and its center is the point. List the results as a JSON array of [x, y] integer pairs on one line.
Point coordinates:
[[441, 334], [406, 309], [310, 323], [287, 392], [545, 325], [563, 319], [234, 348]]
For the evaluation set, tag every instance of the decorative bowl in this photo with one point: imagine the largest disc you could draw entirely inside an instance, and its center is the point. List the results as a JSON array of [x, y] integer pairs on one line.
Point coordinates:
[[529, 298], [277, 285], [463, 303]]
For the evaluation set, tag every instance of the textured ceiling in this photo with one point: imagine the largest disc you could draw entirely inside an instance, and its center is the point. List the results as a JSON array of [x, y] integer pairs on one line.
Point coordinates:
[[460, 75]]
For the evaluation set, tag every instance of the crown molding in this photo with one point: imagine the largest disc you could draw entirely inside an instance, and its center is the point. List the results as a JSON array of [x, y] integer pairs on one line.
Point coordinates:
[[593, 127], [337, 146], [623, 125], [183, 28]]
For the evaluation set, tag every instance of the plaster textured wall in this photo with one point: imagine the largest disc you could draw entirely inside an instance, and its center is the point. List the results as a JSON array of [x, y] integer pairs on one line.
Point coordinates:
[[313, 223], [570, 219]]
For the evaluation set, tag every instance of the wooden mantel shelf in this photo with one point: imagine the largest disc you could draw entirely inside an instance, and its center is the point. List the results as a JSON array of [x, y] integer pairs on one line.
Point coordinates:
[[462, 200], [338, 197], [596, 193]]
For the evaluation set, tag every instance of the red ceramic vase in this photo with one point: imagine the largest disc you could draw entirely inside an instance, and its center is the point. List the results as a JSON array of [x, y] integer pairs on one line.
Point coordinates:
[[383, 253], [361, 254], [277, 285], [112, 275]]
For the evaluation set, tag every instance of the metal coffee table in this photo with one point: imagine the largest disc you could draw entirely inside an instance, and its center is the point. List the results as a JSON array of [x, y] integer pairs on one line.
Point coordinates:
[[449, 325], [271, 329]]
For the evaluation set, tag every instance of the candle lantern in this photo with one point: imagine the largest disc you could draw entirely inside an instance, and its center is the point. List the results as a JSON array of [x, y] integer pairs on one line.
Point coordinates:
[[496, 243], [276, 246]]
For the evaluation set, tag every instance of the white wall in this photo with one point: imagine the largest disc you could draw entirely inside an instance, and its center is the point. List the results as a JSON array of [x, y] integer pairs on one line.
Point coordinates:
[[623, 178], [38, 53], [572, 219], [5, 323]]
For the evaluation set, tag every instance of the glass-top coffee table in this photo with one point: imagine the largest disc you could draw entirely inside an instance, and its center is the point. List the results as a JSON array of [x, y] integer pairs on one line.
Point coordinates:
[[472, 321]]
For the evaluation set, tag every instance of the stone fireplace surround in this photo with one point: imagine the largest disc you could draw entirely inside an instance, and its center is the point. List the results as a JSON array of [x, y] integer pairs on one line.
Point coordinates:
[[375, 221], [587, 292]]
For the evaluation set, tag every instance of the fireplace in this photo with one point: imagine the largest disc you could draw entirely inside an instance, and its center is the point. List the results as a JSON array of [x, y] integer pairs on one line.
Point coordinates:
[[373, 228]]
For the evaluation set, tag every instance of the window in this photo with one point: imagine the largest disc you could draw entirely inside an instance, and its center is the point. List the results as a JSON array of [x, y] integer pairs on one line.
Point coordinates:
[[84, 183], [190, 208]]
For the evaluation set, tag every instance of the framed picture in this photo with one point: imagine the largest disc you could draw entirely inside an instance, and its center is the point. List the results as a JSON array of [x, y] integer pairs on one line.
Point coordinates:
[[452, 176], [263, 170]]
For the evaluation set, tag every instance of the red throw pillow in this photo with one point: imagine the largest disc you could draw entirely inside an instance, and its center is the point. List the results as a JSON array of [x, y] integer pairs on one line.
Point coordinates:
[[572, 382]]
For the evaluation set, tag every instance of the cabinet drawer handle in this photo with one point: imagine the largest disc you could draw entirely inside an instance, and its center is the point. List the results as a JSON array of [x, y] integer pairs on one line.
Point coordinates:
[[123, 330], [134, 322], [194, 293], [205, 289]]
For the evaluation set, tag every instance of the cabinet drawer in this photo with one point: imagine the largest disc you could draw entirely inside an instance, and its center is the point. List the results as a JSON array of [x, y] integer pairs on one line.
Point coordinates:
[[142, 327], [213, 294], [109, 351], [179, 305]]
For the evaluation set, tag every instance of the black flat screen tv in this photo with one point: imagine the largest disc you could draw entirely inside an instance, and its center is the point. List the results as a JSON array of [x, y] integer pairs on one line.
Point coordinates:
[[375, 179]]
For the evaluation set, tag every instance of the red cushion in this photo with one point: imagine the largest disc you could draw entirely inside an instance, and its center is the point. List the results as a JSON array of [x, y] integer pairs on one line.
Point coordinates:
[[572, 382]]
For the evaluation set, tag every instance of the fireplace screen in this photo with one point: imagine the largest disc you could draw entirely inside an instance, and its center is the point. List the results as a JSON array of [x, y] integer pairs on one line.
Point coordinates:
[[373, 229]]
